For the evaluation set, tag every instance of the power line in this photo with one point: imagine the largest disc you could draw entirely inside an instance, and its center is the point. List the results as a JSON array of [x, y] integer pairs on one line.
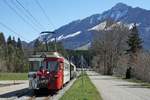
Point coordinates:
[[5, 1], [46, 16], [25, 15], [8, 28], [29, 13], [32, 23]]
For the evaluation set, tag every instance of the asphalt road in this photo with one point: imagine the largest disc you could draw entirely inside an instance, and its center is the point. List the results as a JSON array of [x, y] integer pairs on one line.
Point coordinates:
[[112, 88]]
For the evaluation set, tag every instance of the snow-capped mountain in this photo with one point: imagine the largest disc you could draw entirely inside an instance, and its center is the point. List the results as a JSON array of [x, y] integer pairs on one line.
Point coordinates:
[[77, 33]]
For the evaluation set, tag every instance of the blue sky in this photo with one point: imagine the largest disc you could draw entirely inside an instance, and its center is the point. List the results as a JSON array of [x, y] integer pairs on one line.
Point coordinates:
[[60, 12]]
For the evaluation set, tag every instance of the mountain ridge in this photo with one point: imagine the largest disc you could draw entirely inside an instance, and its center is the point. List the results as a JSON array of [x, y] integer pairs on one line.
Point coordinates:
[[119, 13]]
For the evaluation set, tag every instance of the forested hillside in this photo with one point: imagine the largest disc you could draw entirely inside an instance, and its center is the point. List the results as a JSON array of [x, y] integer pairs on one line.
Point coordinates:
[[12, 57]]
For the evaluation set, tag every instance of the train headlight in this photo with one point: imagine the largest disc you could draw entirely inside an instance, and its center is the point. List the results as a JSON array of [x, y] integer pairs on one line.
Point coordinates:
[[47, 72], [56, 76]]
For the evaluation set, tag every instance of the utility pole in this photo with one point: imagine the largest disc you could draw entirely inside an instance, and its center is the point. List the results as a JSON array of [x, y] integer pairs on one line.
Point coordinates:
[[46, 43], [55, 44], [82, 59], [82, 66]]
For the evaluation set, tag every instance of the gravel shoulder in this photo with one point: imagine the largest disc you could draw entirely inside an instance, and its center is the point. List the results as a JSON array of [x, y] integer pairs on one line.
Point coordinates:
[[112, 88]]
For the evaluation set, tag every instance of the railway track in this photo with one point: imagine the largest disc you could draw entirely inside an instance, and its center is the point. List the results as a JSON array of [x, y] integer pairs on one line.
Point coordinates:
[[41, 98], [43, 95], [26, 94], [32, 98], [53, 95]]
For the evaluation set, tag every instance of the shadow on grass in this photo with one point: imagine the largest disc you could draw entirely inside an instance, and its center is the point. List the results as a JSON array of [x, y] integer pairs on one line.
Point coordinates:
[[100, 78], [93, 74], [136, 85]]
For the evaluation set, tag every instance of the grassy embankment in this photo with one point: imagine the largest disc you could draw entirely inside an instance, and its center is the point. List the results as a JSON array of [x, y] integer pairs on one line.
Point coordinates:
[[13, 76], [82, 89]]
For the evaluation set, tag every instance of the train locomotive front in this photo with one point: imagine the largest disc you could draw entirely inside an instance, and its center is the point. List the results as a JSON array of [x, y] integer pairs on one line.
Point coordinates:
[[48, 70]]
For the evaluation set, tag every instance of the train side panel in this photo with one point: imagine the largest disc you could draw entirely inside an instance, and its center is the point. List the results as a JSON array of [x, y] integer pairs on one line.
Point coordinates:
[[66, 71]]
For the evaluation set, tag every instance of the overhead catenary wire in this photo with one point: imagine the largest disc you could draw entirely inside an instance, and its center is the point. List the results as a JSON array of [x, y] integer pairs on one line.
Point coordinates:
[[23, 12], [11, 30], [23, 19], [46, 16], [26, 17], [30, 14]]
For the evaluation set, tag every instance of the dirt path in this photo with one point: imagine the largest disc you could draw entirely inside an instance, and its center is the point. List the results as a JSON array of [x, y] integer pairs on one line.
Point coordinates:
[[112, 88]]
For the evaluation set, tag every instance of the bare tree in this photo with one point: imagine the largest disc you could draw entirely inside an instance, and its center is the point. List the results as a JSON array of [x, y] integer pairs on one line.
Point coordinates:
[[109, 45], [142, 68]]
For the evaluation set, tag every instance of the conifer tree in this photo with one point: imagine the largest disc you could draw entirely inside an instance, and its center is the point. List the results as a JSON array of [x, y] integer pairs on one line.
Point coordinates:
[[135, 45], [13, 53], [9, 54], [2, 51], [37, 46], [2, 40], [2, 46], [134, 41], [14, 42], [19, 56], [19, 44]]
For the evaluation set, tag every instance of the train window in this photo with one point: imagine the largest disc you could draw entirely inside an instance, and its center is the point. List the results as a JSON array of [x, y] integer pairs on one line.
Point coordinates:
[[34, 65], [72, 67], [43, 64], [52, 66], [66, 66]]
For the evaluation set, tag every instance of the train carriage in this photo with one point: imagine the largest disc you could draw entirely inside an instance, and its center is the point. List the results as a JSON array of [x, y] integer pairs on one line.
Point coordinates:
[[48, 70]]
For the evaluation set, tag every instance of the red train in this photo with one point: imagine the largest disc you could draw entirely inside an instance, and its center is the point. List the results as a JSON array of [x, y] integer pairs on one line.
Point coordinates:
[[49, 70]]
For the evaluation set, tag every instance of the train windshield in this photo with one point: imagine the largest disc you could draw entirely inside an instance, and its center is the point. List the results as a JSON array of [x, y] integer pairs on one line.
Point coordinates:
[[52, 66], [35, 65]]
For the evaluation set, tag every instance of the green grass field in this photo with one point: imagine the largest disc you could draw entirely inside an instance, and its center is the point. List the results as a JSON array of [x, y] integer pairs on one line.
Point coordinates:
[[82, 90], [13, 76]]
